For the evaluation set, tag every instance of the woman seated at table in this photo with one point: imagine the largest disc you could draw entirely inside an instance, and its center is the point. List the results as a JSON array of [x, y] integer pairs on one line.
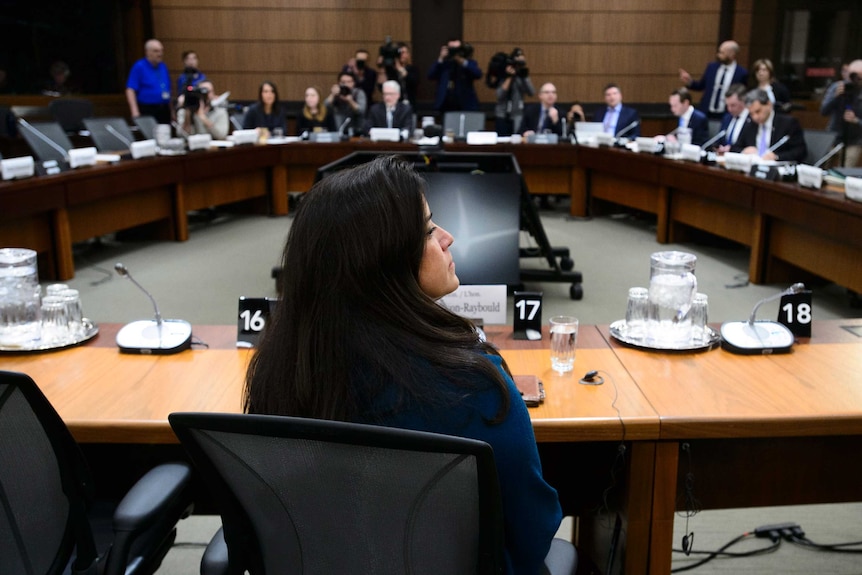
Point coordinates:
[[315, 116], [267, 112], [358, 336], [764, 75]]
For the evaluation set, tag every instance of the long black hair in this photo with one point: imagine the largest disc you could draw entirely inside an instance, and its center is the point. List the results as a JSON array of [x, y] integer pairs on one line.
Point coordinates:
[[351, 308], [276, 105]]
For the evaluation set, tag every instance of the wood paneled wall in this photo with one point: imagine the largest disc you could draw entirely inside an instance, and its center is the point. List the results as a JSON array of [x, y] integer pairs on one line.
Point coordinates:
[[294, 43], [580, 46]]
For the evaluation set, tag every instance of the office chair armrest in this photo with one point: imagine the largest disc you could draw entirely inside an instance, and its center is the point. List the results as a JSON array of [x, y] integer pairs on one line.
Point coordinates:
[[162, 491], [214, 560]]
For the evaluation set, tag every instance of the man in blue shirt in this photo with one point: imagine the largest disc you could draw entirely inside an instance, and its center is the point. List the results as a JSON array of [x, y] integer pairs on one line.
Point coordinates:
[[148, 89], [616, 118]]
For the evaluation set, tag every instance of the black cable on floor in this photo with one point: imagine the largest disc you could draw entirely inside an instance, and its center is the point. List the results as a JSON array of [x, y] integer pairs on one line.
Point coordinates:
[[723, 552]]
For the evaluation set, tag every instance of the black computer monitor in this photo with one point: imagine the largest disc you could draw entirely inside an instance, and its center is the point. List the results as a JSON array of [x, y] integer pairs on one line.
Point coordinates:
[[476, 198], [117, 138], [51, 142]]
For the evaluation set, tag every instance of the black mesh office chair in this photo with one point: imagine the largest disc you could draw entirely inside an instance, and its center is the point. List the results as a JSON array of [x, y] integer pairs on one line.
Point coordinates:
[[462, 122], [311, 496], [818, 142], [46, 492], [70, 113]]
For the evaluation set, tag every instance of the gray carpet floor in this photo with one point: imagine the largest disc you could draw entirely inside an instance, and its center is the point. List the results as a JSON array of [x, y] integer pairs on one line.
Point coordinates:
[[231, 255]]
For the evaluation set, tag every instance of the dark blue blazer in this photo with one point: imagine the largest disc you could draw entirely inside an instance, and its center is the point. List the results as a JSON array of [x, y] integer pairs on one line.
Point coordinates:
[[627, 116], [464, 90], [725, 125], [699, 125], [707, 83], [530, 120], [793, 150]]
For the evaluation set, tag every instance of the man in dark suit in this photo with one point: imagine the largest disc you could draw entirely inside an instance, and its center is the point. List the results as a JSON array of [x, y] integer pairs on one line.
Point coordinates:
[[390, 113], [735, 118], [617, 118], [716, 79], [543, 116], [767, 128], [455, 71], [694, 120]]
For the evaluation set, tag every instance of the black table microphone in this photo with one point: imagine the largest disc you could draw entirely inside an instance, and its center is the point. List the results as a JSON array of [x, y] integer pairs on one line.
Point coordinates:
[[152, 336]]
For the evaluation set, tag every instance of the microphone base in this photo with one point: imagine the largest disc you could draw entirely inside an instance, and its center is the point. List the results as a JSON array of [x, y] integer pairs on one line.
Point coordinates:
[[147, 337], [761, 338]]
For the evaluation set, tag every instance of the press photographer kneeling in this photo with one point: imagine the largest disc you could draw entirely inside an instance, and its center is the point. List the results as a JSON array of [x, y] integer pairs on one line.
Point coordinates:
[[202, 111]]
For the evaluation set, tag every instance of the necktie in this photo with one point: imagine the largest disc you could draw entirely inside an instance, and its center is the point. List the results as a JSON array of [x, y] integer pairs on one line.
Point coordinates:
[[763, 144], [542, 117], [682, 122], [388, 117], [717, 104], [729, 139], [609, 121]]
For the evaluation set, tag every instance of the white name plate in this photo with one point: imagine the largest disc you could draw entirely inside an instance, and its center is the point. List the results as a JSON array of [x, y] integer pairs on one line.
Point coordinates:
[[485, 302]]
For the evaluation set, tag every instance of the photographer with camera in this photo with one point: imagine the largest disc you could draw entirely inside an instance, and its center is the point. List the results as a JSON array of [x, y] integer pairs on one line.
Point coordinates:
[[198, 113], [191, 76], [455, 71], [347, 102], [509, 75], [364, 77], [843, 104], [395, 63]]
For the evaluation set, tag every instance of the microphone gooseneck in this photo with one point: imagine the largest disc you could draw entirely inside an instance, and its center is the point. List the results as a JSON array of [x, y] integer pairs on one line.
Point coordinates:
[[57, 147], [124, 272], [794, 289], [123, 140], [714, 139], [777, 144], [627, 129], [838, 147]]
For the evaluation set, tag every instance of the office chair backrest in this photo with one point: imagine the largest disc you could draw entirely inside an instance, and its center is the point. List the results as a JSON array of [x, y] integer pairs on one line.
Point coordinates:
[[462, 122], [147, 126], [319, 497], [818, 142], [43, 484], [714, 127], [116, 138], [70, 112]]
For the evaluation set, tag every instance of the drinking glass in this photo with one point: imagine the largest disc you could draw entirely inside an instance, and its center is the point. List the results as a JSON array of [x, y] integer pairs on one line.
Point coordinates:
[[699, 317], [55, 321], [564, 338], [637, 311]]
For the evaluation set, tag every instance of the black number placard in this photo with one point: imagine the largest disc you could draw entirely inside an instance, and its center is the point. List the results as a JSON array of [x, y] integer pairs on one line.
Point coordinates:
[[528, 315], [253, 315], [795, 312]]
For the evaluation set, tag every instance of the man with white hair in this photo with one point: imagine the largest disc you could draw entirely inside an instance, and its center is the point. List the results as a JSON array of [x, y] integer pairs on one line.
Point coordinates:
[[390, 113], [148, 89], [716, 79]]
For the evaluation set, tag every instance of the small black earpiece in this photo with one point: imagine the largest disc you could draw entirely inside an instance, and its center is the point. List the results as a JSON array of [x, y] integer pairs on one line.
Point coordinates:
[[590, 375]]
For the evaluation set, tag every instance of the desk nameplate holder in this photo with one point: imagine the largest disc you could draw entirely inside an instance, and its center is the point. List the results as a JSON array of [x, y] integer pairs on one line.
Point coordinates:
[[253, 314]]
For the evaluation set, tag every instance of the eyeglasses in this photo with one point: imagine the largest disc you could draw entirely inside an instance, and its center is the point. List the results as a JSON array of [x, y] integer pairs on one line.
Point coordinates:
[[548, 92]]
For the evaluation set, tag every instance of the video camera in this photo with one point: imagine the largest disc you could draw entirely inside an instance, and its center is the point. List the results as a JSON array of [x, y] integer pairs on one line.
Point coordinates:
[[193, 96], [465, 50], [497, 67], [389, 52]]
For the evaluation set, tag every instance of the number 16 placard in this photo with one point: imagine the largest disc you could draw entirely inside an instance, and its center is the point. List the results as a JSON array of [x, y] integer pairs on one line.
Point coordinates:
[[253, 315]]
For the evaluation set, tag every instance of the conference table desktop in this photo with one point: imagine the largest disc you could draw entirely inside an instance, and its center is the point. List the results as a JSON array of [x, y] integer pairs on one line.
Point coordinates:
[[755, 430], [790, 230]]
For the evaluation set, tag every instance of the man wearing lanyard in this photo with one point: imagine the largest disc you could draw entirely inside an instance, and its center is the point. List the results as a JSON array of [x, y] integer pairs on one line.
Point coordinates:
[[764, 134], [148, 89], [716, 79]]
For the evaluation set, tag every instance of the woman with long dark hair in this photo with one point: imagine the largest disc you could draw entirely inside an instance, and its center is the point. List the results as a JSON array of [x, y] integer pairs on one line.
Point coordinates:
[[267, 112], [358, 336]]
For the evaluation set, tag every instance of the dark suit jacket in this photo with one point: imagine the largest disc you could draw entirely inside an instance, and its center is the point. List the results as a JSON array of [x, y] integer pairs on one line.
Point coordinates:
[[531, 119], [794, 150], [699, 125], [464, 76], [627, 116], [707, 83], [725, 125], [402, 117]]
